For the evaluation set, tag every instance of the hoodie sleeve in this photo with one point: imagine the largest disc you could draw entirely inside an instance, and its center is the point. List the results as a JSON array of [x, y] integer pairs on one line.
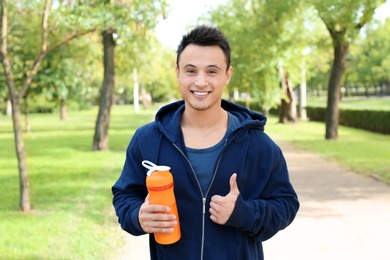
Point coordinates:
[[130, 191], [275, 208]]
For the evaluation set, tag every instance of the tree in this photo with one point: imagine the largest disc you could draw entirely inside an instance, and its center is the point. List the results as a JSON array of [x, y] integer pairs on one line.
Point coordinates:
[[118, 17], [147, 56], [17, 94], [263, 35], [66, 76], [287, 111], [368, 62], [343, 20], [100, 140]]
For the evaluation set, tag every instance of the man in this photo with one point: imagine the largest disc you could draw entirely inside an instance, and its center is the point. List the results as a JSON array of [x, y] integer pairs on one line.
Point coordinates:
[[231, 180]]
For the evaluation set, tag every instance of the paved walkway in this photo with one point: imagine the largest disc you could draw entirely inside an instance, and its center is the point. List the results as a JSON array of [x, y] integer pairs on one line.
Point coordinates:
[[342, 216]]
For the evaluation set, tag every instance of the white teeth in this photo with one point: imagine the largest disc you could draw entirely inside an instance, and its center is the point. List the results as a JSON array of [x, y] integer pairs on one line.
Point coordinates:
[[200, 93]]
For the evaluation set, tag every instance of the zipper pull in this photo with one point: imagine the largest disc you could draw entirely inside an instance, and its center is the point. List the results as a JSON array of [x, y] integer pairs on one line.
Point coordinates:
[[204, 205]]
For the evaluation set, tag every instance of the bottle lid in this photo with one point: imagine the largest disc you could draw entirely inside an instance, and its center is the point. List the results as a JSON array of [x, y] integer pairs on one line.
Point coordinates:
[[153, 167]]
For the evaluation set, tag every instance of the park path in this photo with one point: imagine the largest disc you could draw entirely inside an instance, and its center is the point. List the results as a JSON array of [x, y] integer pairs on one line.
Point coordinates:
[[342, 216]]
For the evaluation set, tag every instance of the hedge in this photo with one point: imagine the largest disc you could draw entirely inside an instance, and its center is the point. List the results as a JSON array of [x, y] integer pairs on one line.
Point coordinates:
[[372, 120]]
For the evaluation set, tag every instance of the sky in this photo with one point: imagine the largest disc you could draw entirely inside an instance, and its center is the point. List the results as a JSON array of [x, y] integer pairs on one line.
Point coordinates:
[[186, 12], [182, 14]]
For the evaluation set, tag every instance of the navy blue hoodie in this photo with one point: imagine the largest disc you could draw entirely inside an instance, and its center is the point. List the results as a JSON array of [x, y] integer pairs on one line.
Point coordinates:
[[267, 202]]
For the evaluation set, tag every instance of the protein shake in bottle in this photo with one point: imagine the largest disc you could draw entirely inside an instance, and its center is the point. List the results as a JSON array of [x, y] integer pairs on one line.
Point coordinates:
[[159, 182]]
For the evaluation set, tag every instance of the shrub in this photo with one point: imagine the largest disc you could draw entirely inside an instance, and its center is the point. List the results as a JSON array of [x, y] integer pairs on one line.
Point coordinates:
[[372, 120]]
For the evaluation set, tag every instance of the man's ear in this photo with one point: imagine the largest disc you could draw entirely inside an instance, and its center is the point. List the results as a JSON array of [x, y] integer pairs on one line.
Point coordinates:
[[177, 74], [229, 73]]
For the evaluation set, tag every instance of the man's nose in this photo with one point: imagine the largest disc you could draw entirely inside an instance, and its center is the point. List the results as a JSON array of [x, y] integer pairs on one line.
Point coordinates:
[[201, 80]]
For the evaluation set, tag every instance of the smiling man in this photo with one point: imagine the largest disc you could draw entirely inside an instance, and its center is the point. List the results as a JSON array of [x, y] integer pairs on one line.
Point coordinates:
[[231, 180], [202, 72]]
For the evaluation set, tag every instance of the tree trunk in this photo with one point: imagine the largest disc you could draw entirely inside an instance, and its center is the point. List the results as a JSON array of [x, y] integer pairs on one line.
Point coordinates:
[[8, 110], [100, 141], [302, 94], [367, 89], [288, 110], [63, 110], [136, 91], [332, 109], [24, 202], [15, 97], [146, 98], [26, 115]]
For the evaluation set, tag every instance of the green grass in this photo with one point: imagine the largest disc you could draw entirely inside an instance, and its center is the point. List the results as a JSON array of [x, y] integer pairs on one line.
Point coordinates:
[[358, 150], [374, 103], [70, 187], [72, 215]]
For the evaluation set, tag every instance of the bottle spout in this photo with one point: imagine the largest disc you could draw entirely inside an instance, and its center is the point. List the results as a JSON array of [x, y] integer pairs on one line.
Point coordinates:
[[153, 167]]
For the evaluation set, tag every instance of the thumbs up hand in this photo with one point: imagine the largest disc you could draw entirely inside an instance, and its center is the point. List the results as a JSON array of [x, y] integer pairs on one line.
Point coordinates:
[[221, 207]]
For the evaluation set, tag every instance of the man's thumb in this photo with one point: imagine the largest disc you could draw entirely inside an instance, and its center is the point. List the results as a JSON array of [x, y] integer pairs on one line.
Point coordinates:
[[233, 184]]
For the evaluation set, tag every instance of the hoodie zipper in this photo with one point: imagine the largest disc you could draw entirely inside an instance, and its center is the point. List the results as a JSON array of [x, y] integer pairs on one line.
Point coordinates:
[[201, 192]]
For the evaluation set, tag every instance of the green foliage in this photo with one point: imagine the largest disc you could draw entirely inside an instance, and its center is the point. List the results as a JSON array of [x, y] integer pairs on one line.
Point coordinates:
[[71, 74], [316, 113], [344, 19], [37, 104], [155, 66], [354, 103], [72, 216], [372, 120], [369, 60], [263, 35], [74, 72], [376, 121], [158, 74], [21, 48], [369, 114]]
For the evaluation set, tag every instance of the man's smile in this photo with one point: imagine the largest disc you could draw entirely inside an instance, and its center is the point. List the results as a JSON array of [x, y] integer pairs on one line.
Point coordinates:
[[200, 93]]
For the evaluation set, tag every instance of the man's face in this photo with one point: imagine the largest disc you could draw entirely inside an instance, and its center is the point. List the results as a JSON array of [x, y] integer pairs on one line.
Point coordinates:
[[202, 76]]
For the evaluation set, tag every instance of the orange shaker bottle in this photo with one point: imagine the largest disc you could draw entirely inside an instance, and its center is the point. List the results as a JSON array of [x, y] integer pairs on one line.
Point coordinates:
[[159, 182]]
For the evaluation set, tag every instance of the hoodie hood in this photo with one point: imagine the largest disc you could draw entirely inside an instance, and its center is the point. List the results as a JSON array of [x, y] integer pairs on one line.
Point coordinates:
[[168, 118]]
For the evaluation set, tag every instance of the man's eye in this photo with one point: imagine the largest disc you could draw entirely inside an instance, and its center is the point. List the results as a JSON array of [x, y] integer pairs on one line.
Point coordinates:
[[212, 72], [191, 71]]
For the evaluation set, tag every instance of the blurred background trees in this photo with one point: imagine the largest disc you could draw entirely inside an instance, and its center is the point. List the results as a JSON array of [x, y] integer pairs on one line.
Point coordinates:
[[281, 51], [264, 35], [276, 43]]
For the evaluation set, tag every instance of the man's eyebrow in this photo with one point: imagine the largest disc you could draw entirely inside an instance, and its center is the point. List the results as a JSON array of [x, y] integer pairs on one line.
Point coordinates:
[[214, 66], [209, 66], [189, 65]]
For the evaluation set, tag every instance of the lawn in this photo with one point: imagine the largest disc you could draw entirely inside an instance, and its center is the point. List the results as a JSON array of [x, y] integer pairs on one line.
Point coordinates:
[[361, 151], [358, 103], [72, 215], [70, 187]]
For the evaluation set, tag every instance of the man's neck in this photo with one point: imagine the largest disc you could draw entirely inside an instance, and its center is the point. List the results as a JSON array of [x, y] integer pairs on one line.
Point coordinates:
[[203, 129], [204, 119]]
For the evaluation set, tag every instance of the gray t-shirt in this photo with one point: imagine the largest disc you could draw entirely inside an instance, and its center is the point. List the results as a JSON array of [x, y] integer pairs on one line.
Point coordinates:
[[204, 160]]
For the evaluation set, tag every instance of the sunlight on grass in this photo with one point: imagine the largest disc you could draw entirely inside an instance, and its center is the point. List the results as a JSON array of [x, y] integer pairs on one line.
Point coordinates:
[[361, 151], [72, 216], [356, 103], [70, 187]]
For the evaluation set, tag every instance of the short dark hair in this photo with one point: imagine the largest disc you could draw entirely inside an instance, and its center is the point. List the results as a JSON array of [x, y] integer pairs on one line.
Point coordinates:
[[204, 35]]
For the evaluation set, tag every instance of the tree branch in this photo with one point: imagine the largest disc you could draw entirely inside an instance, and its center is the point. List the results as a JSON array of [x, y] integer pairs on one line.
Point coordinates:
[[367, 16], [44, 24], [44, 48], [253, 7], [4, 54], [43, 54]]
